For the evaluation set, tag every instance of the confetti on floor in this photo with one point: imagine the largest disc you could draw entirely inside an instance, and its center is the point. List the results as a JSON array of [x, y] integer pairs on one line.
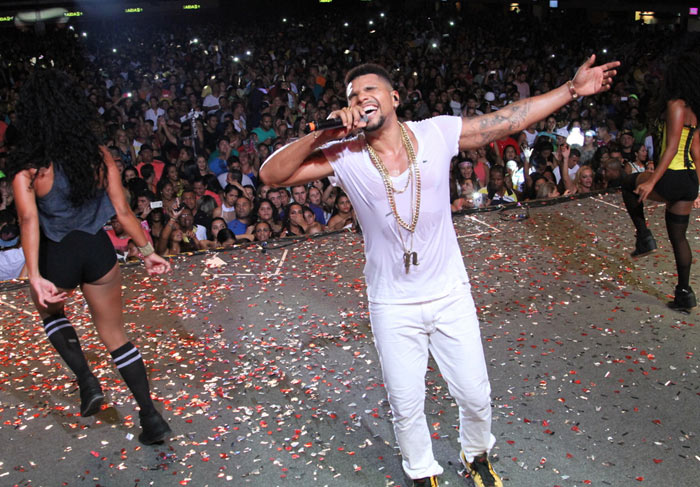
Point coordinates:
[[264, 365]]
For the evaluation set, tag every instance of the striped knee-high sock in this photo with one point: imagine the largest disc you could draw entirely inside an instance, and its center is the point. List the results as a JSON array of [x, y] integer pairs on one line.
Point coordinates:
[[64, 339], [130, 365]]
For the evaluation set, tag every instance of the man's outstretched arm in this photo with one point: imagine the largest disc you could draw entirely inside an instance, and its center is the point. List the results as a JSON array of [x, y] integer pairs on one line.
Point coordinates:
[[302, 161], [295, 163], [589, 80]]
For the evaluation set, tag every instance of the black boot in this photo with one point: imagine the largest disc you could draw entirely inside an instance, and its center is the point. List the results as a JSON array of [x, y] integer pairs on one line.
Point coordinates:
[[91, 396], [645, 243], [684, 299], [155, 429]]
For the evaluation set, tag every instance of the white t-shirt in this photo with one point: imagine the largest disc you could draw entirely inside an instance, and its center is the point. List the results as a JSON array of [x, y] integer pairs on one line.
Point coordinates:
[[572, 172], [210, 101], [531, 138], [223, 180], [11, 263], [153, 115], [441, 267]]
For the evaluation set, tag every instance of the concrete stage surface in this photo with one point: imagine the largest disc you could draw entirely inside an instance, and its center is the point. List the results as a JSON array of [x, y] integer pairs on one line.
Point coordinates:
[[265, 366]]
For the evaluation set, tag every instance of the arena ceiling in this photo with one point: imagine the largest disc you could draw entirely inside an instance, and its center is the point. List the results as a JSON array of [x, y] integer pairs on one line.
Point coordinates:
[[110, 5]]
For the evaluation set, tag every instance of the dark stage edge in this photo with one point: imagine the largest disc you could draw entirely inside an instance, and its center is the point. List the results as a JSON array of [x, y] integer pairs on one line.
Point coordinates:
[[266, 369]]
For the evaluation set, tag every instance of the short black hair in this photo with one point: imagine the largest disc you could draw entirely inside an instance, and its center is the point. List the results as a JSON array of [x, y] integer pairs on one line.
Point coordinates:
[[499, 169], [147, 170], [368, 68], [224, 235]]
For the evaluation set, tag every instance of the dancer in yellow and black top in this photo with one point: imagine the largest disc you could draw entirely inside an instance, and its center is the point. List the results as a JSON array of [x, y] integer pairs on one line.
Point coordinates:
[[67, 186], [675, 179]]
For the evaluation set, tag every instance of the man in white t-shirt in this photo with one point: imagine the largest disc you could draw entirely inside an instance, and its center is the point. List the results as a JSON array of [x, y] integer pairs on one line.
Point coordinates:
[[397, 178], [211, 98], [154, 112], [572, 164]]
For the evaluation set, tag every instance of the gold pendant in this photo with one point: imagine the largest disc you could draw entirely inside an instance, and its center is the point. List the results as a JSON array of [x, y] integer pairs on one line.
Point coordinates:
[[409, 259]]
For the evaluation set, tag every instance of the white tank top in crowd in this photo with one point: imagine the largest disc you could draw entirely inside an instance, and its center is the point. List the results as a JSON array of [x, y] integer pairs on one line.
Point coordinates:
[[228, 213], [440, 266]]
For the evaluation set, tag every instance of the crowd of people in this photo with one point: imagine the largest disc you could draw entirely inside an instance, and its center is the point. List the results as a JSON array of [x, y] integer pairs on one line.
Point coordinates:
[[187, 147], [189, 115]]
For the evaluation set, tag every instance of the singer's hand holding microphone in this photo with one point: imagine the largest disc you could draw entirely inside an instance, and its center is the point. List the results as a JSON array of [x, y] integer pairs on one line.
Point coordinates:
[[349, 118]]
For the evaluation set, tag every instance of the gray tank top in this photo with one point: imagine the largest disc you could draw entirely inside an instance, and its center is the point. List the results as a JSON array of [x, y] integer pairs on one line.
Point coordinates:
[[58, 217]]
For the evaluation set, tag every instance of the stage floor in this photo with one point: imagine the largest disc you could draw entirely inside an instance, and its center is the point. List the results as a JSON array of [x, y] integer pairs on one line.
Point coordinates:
[[266, 369]]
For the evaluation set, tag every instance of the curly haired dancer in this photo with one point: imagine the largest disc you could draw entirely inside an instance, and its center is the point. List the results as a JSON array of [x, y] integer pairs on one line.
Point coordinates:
[[67, 186]]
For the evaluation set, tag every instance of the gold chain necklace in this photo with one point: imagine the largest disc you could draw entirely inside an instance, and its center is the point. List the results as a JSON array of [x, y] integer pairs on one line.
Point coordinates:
[[377, 161], [413, 168], [409, 256]]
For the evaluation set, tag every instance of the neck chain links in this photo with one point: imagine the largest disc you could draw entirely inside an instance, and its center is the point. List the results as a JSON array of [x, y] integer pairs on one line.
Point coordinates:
[[413, 173]]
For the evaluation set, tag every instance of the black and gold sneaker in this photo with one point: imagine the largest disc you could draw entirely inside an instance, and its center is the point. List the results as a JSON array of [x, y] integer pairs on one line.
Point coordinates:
[[431, 481], [481, 471]]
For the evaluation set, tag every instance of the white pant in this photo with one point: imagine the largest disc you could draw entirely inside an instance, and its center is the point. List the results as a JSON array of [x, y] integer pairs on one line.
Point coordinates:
[[447, 328]]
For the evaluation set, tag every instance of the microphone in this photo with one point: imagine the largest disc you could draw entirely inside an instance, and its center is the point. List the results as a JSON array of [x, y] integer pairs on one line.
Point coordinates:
[[331, 123]]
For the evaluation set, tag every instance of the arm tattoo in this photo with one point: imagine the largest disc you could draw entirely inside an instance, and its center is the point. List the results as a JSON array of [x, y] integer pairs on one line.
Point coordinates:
[[503, 122]]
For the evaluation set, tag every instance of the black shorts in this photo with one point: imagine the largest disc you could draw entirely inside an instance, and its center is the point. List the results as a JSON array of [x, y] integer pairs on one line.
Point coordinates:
[[77, 259], [678, 185]]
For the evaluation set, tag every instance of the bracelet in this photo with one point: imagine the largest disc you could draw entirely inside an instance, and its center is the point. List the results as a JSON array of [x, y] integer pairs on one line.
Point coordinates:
[[572, 90], [147, 249]]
